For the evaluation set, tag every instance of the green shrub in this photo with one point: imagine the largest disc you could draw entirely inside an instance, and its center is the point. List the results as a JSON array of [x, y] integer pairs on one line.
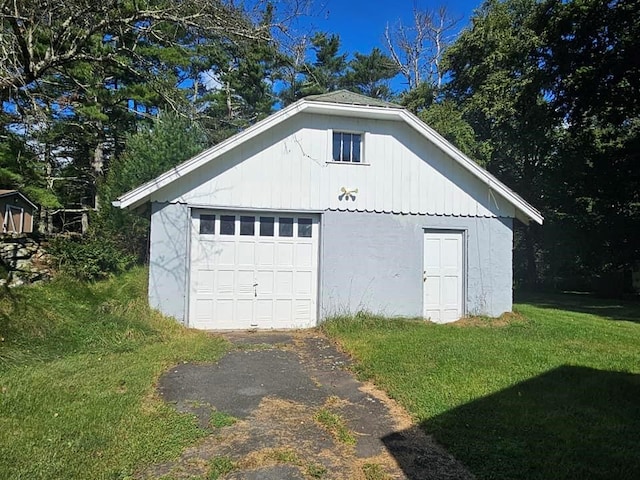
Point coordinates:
[[89, 258]]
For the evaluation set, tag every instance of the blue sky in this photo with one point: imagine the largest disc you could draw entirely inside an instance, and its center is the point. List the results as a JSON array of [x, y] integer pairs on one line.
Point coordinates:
[[361, 23]]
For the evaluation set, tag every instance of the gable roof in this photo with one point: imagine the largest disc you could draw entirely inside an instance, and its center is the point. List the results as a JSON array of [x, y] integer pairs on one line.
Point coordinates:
[[8, 193], [341, 103]]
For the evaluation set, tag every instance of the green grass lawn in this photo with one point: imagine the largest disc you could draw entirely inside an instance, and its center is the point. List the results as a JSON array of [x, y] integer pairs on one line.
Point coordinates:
[[78, 364], [552, 392]]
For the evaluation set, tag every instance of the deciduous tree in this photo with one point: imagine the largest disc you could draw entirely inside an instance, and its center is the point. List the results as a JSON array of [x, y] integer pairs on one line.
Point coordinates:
[[417, 49]]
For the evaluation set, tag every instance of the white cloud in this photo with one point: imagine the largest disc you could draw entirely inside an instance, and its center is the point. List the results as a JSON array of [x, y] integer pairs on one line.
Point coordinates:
[[210, 80]]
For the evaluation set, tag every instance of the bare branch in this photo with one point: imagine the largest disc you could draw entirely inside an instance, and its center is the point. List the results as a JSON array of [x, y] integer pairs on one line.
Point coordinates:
[[417, 49]]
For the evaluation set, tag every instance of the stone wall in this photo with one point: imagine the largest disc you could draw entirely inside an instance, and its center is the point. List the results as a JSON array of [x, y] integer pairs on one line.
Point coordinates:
[[23, 259]]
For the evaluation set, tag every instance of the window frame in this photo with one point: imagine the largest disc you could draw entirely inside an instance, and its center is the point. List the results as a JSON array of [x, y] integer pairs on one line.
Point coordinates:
[[236, 227], [293, 222], [207, 216], [363, 157], [307, 224], [244, 222], [262, 231]]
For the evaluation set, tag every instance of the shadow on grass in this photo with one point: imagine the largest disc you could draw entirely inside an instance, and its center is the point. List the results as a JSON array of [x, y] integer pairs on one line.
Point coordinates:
[[568, 423], [627, 310]]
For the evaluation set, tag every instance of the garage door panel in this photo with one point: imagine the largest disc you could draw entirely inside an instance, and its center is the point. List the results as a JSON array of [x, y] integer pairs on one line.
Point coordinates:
[[283, 310], [265, 283], [226, 284], [205, 281], [284, 257], [246, 254], [244, 312], [264, 277], [304, 255], [222, 314], [205, 254], [303, 309], [265, 254], [204, 310], [223, 252], [303, 283], [245, 283], [264, 311], [284, 284]]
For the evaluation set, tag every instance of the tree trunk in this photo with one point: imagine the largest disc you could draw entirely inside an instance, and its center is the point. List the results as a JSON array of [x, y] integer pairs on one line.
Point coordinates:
[[45, 223], [42, 220], [84, 225], [97, 167]]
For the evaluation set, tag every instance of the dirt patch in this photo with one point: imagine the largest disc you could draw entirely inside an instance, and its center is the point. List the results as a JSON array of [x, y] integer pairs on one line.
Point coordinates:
[[279, 432], [400, 416], [504, 320], [276, 392]]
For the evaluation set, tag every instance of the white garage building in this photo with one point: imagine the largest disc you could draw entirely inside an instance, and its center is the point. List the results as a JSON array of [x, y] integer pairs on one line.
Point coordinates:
[[335, 204]]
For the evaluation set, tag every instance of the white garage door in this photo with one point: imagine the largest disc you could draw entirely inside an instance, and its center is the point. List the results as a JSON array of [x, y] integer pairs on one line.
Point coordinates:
[[253, 270], [443, 276]]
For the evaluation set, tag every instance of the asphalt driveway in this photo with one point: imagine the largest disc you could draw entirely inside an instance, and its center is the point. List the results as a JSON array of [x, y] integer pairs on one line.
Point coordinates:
[[297, 413]]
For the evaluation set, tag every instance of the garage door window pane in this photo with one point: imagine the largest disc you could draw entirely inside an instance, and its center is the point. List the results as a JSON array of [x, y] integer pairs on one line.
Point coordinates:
[[286, 227], [227, 225], [207, 224], [247, 225], [266, 226], [304, 227]]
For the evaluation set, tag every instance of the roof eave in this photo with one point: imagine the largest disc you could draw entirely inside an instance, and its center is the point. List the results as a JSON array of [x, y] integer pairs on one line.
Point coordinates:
[[17, 192], [140, 195], [492, 182]]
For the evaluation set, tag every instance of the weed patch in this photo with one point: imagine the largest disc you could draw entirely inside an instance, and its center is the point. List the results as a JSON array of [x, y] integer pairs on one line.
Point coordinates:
[[283, 455], [335, 425], [219, 466], [221, 419], [373, 471], [315, 470], [269, 456]]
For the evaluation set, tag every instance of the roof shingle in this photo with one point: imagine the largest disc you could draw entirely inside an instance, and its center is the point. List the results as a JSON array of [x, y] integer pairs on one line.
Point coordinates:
[[350, 98]]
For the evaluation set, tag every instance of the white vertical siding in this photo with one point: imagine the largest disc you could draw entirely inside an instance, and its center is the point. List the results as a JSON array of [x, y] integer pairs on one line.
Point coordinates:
[[289, 168]]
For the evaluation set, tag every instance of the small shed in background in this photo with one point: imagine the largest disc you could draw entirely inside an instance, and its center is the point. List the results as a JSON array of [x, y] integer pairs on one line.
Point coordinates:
[[17, 212]]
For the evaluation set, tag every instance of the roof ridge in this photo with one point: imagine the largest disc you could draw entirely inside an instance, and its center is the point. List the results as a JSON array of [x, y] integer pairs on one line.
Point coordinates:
[[348, 97]]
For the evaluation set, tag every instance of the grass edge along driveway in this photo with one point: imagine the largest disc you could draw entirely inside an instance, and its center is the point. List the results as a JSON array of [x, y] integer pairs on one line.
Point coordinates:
[[543, 393], [78, 365]]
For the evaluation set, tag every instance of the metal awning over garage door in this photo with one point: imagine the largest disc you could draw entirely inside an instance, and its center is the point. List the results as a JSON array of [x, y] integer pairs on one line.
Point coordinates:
[[253, 270]]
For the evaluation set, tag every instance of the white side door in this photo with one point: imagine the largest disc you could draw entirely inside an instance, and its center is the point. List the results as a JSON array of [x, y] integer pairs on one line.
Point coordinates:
[[443, 275]]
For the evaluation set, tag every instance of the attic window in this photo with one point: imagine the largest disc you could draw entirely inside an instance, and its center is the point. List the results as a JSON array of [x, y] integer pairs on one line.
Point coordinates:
[[346, 147]]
